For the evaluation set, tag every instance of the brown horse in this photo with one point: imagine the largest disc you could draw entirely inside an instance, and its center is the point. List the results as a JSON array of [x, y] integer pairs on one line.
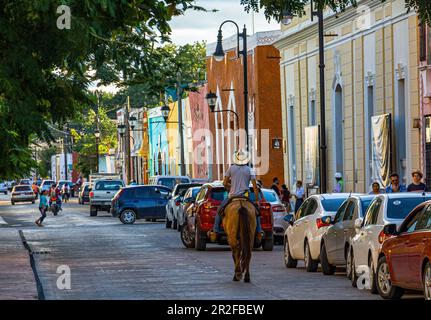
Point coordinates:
[[239, 223]]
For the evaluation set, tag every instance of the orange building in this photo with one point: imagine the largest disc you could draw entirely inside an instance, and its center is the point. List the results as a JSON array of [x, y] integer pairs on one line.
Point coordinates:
[[225, 79]]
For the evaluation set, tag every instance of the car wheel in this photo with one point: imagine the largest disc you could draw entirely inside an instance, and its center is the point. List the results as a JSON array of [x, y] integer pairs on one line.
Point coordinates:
[[349, 264], [186, 237], [327, 268], [354, 275], [200, 239], [373, 285], [33, 202], [175, 224], [289, 262], [427, 281], [310, 264], [128, 216], [268, 243], [13, 203], [93, 211], [384, 284]]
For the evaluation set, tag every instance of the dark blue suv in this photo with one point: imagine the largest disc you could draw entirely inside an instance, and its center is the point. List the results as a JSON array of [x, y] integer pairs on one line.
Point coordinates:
[[140, 202]]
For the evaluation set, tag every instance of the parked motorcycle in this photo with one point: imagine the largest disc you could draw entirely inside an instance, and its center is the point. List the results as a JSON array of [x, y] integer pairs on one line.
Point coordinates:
[[54, 208]]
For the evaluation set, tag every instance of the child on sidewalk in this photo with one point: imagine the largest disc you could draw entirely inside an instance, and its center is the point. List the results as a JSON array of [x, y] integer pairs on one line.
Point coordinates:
[[43, 207]]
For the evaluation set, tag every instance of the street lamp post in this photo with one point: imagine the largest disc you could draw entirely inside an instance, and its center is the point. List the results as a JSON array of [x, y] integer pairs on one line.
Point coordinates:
[[97, 135], [319, 14], [219, 56], [211, 99]]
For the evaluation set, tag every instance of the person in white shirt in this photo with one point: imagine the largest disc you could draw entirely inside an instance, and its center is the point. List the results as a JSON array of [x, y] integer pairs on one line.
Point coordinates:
[[299, 195]]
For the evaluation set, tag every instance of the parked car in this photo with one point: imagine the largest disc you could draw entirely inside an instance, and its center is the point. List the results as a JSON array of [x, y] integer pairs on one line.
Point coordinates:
[[201, 214], [102, 194], [336, 241], [46, 185], [169, 181], [188, 199], [405, 259], [279, 213], [140, 202], [25, 181], [84, 193], [174, 202], [22, 193], [391, 208], [303, 238], [3, 188]]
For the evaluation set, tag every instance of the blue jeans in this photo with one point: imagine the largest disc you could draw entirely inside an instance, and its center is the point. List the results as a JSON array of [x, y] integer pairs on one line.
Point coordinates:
[[218, 219]]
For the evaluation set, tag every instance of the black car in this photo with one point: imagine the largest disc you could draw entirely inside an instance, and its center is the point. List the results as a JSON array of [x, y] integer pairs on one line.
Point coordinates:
[[140, 202]]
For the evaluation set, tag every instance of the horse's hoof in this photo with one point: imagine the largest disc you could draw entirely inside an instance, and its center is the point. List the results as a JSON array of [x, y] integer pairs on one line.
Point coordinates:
[[235, 278], [246, 279]]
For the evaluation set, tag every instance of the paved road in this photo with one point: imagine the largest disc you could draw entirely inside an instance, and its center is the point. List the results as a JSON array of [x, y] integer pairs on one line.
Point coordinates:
[[109, 260]]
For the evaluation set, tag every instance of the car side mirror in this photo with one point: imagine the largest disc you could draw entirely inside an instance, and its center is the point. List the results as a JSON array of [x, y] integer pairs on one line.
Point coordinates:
[[390, 229], [358, 223]]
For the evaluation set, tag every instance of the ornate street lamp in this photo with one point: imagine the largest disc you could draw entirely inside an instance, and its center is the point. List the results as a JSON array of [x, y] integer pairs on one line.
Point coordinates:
[[211, 99], [165, 112], [133, 121], [121, 129]]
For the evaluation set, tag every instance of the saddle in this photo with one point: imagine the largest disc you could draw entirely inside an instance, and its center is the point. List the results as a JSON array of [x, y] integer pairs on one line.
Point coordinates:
[[236, 198]]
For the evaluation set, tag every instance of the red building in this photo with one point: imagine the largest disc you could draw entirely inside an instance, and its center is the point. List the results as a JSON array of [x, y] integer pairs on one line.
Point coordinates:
[[225, 79]]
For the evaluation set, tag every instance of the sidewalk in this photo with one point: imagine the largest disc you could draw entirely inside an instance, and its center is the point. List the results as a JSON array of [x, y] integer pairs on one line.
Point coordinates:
[[16, 276]]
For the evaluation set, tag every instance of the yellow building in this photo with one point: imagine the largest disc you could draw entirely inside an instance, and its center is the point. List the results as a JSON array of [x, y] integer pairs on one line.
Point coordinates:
[[371, 70]]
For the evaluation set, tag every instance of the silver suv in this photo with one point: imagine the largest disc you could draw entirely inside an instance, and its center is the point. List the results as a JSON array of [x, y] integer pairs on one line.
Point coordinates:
[[102, 193]]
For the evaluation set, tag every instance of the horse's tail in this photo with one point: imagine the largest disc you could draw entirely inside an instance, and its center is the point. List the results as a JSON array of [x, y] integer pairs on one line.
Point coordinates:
[[244, 232]]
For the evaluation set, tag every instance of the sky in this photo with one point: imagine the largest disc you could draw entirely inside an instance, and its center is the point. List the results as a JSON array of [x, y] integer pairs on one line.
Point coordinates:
[[196, 25]]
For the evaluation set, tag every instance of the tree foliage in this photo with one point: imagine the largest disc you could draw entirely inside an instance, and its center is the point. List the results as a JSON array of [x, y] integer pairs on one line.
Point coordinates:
[[273, 8], [84, 140], [45, 71]]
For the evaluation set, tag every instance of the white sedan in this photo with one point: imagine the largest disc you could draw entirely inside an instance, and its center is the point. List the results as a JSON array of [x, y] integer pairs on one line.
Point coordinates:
[[303, 238], [385, 209]]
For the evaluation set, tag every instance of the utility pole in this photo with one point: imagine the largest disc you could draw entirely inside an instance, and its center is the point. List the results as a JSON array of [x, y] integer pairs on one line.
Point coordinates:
[[65, 153], [180, 124], [127, 141], [245, 65]]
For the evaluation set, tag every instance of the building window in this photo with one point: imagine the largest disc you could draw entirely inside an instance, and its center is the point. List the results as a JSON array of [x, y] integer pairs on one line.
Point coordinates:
[[400, 132], [369, 115], [312, 113], [338, 129], [423, 42], [292, 144]]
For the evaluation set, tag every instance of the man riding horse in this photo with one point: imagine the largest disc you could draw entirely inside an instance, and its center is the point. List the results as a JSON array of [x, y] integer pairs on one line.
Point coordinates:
[[237, 181]]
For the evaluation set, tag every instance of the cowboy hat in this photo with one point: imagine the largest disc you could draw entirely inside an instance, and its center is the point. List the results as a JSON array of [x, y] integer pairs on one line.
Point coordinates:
[[241, 157]]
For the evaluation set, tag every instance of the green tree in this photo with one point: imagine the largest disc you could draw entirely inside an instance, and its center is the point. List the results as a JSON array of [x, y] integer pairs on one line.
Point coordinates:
[[45, 71], [273, 8], [85, 140]]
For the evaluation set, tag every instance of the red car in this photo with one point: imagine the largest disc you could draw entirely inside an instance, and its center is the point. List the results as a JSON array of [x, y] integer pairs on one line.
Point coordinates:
[[405, 258], [201, 214]]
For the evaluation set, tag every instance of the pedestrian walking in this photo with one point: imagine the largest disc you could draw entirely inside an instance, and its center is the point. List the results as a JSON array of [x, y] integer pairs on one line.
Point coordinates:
[[275, 183], [339, 183], [375, 188], [417, 185], [43, 207], [299, 195], [395, 185], [285, 197]]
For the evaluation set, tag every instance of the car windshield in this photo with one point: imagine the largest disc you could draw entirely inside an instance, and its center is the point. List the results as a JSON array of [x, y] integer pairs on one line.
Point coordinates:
[[219, 194], [109, 185], [182, 189], [365, 204], [270, 196], [22, 188], [399, 208], [171, 182], [332, 204], [48, 183], [195, 192]]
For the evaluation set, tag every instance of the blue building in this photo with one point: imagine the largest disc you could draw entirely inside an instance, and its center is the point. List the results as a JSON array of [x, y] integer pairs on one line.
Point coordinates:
[[159, 148]]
